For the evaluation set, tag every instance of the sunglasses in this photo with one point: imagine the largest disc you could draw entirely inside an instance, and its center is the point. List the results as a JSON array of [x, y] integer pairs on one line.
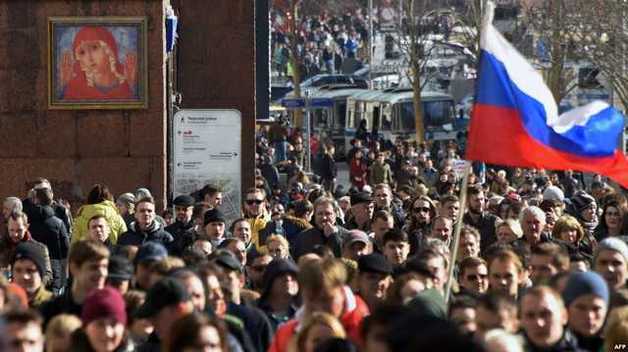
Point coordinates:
[[254, 201], [421, 209]]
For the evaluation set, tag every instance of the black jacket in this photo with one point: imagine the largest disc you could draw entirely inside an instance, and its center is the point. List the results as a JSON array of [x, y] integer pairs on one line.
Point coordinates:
[[308, 239], [568, 343], [183, 234], [51, 231], [33, 211], [63, 304], [327, 167], [486, 225], [136, 237], [255, 323]]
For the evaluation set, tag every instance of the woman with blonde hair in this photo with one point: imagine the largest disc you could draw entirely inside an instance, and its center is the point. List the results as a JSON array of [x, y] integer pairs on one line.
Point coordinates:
[[568, 229], [278, 247], [59, 332], [616, 330], [318, 328]]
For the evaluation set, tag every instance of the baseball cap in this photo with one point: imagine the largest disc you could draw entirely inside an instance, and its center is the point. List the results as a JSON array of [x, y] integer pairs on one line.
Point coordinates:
[[356, 236]]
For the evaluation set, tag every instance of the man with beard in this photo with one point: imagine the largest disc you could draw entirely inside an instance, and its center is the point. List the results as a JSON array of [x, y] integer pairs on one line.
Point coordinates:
[[478, 217], [384, 201], [505, 273], [183, 228], [17, 232], [325, 231], [374, 277], [422, 213]]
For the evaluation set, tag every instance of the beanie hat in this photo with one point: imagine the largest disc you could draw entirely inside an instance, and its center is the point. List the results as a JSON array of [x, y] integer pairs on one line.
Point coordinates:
[[581, 200], [553, 193], [580, 284], [104, 303], [29, 250], [612, 244], [213, 215]]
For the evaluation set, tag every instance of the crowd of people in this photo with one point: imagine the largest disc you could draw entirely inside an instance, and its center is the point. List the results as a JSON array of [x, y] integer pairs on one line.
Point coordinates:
[[315, 265], [323, 42]]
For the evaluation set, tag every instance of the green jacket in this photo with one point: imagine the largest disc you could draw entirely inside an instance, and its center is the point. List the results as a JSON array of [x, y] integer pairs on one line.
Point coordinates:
[[380, 174]]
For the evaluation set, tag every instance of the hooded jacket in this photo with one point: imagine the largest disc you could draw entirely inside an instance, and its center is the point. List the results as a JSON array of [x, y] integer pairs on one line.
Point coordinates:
[[52, 233], [274, 270], [108, 210]]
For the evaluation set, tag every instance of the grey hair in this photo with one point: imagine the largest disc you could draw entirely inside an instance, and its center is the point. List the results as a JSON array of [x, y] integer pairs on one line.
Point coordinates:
[[14, 202], [506, 341], [534, 211]]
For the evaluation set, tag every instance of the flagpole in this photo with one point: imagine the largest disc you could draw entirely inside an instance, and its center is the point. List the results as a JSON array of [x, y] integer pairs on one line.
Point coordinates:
[[458, 229]]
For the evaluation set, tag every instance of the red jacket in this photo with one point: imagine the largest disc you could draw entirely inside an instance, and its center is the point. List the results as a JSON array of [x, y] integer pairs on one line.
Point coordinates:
[[355, 310]]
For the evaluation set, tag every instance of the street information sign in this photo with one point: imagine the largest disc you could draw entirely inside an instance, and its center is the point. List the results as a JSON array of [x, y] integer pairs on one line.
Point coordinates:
[[207, 150]]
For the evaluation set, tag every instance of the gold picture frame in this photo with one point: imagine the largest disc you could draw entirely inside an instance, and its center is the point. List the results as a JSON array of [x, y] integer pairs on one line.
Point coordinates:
[[97, 63]]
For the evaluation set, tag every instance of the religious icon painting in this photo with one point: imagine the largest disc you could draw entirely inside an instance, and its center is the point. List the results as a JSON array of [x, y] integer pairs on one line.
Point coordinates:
[[97, 63]]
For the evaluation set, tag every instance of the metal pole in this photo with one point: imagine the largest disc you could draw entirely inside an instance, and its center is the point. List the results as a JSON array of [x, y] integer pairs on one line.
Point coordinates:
[[454, 250], [371, 32], [306, 141]]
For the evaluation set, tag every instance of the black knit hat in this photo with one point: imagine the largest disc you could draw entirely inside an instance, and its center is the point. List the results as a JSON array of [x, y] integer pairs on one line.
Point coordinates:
[[213, 215], [29, 250]]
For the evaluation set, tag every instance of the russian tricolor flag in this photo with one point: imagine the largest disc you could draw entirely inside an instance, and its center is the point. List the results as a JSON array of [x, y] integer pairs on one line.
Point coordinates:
[[515, 119]]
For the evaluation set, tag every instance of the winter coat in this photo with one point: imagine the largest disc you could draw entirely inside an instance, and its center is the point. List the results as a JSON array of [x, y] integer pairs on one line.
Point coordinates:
[[7, 251], [52, 233], [108, 210], [136, 237]]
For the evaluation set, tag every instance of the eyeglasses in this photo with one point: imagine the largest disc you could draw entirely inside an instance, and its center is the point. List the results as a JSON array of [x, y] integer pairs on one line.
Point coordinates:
[[421, 209], [254, 201]]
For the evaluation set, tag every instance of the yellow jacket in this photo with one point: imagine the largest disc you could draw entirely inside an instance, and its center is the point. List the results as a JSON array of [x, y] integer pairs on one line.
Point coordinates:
[[108, 210]]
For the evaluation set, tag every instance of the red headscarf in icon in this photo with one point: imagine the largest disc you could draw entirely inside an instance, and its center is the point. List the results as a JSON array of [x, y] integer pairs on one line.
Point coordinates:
[[78, 87]]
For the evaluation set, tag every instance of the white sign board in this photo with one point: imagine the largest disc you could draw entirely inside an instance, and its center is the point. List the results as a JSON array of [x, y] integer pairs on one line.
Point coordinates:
[[459, 166], [207, 150]]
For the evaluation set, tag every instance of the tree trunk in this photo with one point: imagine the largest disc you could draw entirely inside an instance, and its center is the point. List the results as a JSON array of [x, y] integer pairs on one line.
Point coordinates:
[[418, 106]]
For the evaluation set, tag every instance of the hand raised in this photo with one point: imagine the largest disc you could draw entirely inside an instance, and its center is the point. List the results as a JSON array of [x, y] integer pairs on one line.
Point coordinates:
[[130, 69], [66, 72]]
